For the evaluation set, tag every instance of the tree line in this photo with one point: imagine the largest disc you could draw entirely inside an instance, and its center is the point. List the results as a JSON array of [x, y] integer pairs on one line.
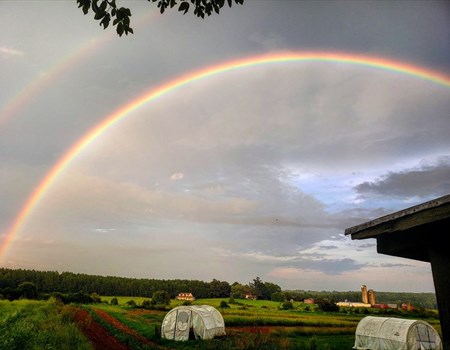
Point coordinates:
[[17, 283]]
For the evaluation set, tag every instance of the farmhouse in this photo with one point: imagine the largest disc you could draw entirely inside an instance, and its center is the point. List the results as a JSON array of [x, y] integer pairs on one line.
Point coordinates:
[[309, 301], [185, 296], [251, 296]]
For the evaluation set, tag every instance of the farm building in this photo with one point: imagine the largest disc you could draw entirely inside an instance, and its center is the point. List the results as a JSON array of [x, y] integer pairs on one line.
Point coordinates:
[[185, 296], [395, 333], [204, 321], [352, 304]]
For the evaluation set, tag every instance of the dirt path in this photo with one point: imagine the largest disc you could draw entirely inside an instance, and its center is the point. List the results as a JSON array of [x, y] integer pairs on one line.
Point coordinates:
[[100, 338], [123, 328]]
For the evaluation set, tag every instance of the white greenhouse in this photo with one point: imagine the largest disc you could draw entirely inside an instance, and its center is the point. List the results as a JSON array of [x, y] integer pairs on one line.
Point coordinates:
[[205, 321], [395, 333]]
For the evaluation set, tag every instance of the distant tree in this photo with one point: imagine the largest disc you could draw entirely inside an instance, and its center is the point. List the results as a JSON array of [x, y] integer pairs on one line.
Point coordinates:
[[278, 296], [161, 297], [327, 305], [114, 301], [219, 289], [238, 290], [105, 10], [287, 305], [11, 293], [96, 298], [270, 288], [259, 289], [28, 290]]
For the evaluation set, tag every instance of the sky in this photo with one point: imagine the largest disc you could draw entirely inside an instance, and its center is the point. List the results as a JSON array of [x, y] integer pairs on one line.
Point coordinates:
[[162, 155]]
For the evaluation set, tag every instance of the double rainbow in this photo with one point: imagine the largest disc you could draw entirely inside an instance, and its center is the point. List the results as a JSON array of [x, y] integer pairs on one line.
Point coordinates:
[[241, 63]]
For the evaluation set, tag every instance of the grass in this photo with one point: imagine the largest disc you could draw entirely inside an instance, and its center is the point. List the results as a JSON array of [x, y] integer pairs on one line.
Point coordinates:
[[289, 329], [250, 324], [27, 324]]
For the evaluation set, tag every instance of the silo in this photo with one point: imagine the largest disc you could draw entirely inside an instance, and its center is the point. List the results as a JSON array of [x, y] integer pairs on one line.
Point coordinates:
[[365, 298], [372, 300]]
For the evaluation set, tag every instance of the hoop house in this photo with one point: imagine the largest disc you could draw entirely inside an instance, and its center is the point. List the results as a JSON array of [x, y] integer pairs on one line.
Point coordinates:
[[205, 321], [395, 333]]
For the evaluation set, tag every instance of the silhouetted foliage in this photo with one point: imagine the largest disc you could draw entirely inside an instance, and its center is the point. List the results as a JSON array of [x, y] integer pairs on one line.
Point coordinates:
[[219, 289], [278, 296], [224, 305], [107, 10], [327, 305], [28, 290], [287, 305], [147, 304], [161, 297], [131, 303], [53, 283], [96, 298]]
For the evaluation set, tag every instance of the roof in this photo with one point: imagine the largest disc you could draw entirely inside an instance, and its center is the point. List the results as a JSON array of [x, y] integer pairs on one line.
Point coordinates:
[[403, 233]]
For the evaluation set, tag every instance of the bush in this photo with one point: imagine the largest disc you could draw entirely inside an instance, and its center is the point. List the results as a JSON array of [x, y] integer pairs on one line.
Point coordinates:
[[147, 304], [327, 305], [131, 303], [161, 297], [114, 301], [287, 305], [224, 305], [96, 298]]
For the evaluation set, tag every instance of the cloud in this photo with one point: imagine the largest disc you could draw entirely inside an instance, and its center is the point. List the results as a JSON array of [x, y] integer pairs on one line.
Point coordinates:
[[9, 51], [429, 180], [177, 176], [250, 172]]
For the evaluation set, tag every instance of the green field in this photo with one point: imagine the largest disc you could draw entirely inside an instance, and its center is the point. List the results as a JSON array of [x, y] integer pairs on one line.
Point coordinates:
[[250, 324], [30, 324]]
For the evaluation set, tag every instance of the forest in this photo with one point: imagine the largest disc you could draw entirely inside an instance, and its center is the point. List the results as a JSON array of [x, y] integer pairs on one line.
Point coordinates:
[[32, 284]]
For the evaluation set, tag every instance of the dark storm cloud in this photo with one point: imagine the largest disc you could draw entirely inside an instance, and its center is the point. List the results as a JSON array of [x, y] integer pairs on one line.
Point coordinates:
[[427, 181]]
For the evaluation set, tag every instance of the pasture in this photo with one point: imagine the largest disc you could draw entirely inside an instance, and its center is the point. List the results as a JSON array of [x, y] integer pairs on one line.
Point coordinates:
[[250, 324]]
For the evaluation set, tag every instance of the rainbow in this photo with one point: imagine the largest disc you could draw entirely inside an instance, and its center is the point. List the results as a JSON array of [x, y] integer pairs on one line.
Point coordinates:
[[241, 63], [72, 59]]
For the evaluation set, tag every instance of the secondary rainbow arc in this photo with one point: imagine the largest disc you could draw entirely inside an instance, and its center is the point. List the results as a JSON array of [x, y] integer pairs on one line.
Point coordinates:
[[273, 58]]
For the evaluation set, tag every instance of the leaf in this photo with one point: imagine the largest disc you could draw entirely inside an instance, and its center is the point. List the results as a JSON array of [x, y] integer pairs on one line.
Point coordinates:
[[99, 15], [103, 5], [120, 29], [86, 8], [184, 6], [105, 21]]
